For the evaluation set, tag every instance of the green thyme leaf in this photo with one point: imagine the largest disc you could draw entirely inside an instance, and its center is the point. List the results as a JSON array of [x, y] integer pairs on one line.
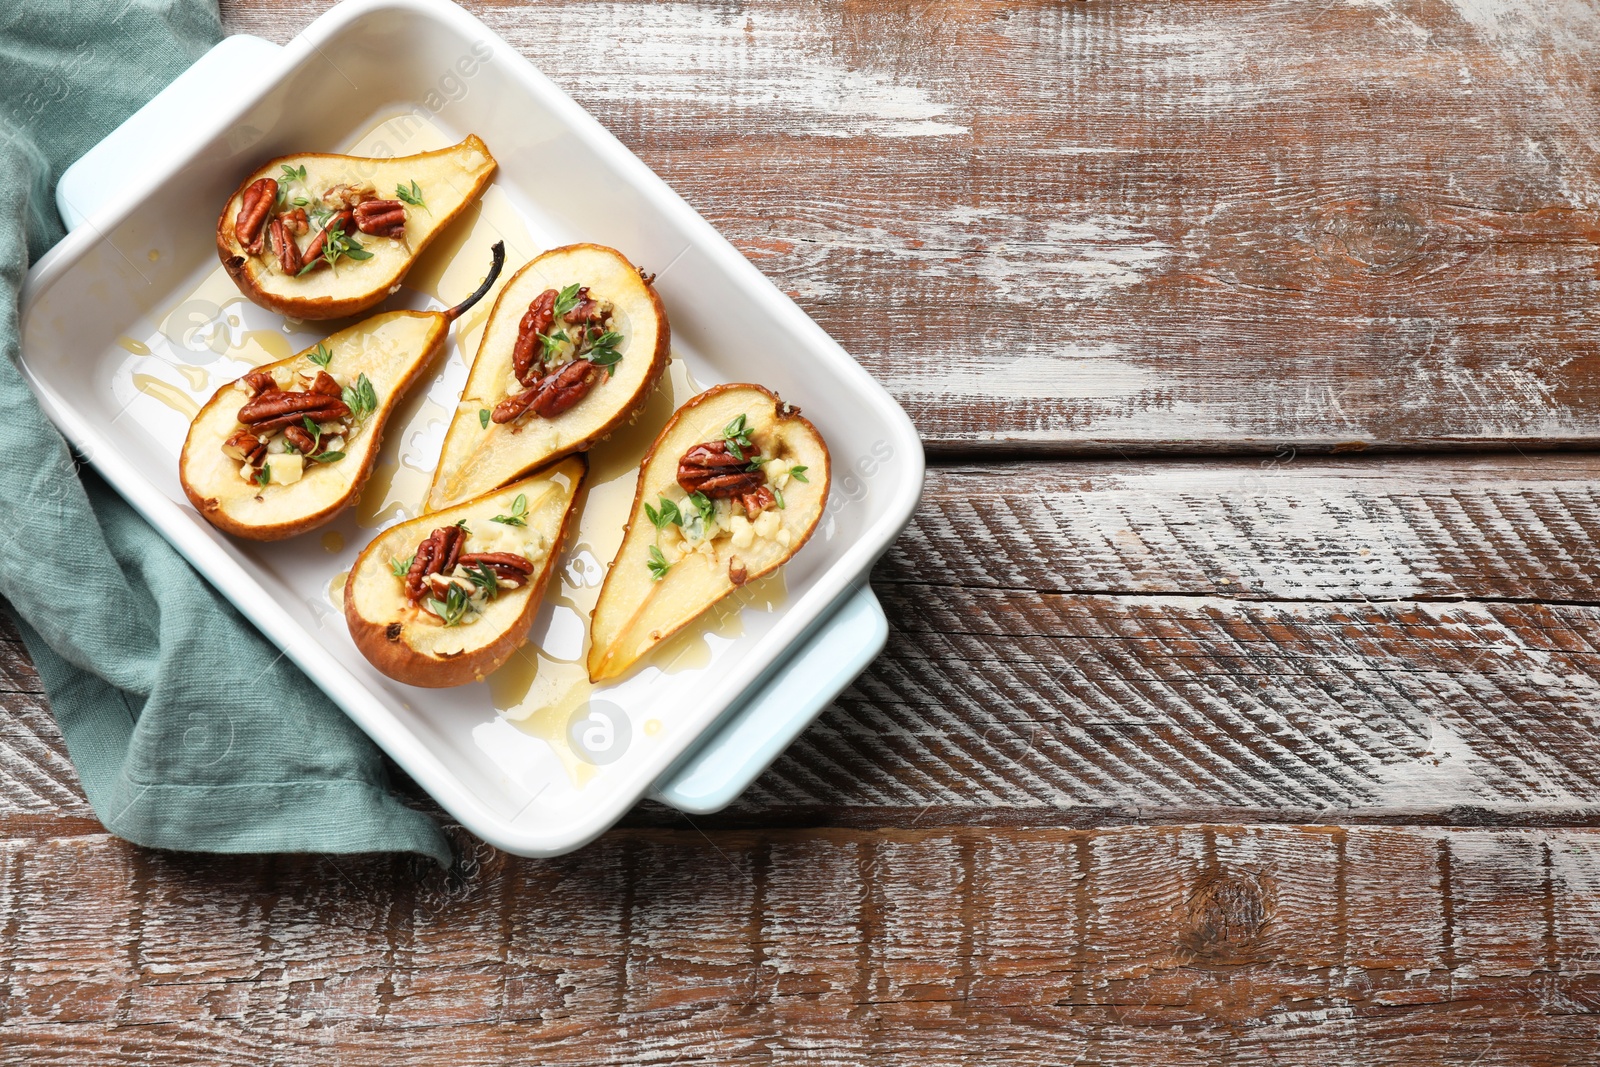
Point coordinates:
[[485, 579], [337, 245], [737, 435], [322, 355], [453, 608], [667, 516], [328, 457], [400, 567], [412, 196], [300, 201], [519, 512], [702, 504], [361, 398], [293, 174], [463, 524], [658, 564], [566, 300], [604, 353], [264, 475], [483, 417], [799, 474], [777, 494], [549, 342]]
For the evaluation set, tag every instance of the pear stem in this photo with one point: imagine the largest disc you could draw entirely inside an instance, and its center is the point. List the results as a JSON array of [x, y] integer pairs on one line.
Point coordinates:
[[462, 308]]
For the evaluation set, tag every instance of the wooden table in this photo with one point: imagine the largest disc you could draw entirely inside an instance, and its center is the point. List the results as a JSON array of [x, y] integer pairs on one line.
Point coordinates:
[[1200, 738]]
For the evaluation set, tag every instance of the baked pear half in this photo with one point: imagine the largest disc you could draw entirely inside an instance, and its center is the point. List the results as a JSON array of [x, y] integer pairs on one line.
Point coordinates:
[[573, 348], [321, 236], [446, 598], [731, 489], [289, 445]]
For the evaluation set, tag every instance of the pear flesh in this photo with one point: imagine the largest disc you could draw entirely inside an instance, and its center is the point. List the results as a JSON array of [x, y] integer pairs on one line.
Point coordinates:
[[409, 643], [392, 350], [667, 574], [448, 181], [375, 363], [480, 454]]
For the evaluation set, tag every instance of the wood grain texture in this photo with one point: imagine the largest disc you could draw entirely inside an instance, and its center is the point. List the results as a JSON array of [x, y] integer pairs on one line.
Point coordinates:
[[1105, 641], [1181, 945], [1256, 639], [1137, 224]]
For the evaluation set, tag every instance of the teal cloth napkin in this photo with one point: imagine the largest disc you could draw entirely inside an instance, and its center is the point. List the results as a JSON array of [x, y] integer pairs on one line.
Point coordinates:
[[188, 729]]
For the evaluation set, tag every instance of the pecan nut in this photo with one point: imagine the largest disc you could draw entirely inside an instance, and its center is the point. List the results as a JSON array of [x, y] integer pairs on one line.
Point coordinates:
[[712, 470], [250, 225], [757, 501], [296, 221], [259, 381], [564, 388], [326, 385], [507, 566], [438, 554], [303, 442], [381, 218], [277, 409], [348, 196], [551, 395], [527, 354], [514, 406], [283, 244], [340, 223], [586, 311], [245, 447]]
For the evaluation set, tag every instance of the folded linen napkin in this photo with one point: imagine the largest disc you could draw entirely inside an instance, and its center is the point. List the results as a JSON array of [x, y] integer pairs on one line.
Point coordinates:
[[189, 730]]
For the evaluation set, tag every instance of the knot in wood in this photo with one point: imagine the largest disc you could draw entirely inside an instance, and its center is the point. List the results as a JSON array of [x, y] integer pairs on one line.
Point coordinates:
[[1226, 914], [1383, 237]]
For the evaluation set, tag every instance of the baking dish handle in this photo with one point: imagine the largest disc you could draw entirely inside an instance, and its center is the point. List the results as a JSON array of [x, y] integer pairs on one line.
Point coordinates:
[[235, 67], [777, 708]]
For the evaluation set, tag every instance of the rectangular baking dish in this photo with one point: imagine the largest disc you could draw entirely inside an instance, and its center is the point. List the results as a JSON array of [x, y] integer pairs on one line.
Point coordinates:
[[142, 209]]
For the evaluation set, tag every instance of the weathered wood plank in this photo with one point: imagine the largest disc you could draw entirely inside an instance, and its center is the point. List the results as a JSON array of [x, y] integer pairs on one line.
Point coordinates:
[[1177, 945], [1138, 224], [1280, 638], [1083, 643]]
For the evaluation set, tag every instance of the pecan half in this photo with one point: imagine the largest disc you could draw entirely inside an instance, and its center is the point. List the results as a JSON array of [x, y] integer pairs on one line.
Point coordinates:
[[737, 573], [275, 410], [709, 468], [586, 311], [507, 566], [381, 218], [326, 385], [303, 442], [283, 244], [259, 381], [313, 253], [514, 406], [527, 354], [245, 447], [564, 388], [343, 195], [250, 225], [296, 221], [550, 395], [757, 501], [438, 554]]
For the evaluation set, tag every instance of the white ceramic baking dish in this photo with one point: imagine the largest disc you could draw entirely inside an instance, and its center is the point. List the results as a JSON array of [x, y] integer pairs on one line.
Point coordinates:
[[141, 208]]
